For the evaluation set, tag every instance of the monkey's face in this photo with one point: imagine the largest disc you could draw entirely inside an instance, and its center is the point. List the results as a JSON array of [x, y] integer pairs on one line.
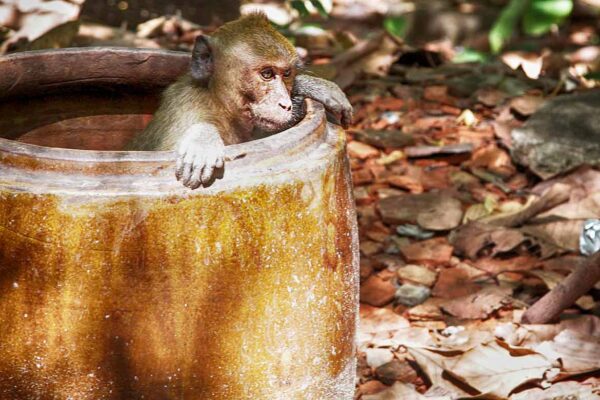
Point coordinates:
[[267, 91], [250, 68]]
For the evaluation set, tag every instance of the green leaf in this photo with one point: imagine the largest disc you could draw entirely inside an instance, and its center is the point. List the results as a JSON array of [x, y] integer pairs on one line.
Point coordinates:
[[299, 6], [319, 6], [506, 23], [541, 15], [593, 75], [554, 8], [396, 26], [469, 56]]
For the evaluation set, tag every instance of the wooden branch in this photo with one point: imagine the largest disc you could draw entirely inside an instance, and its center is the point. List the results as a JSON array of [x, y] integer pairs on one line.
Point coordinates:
[[578, 283]]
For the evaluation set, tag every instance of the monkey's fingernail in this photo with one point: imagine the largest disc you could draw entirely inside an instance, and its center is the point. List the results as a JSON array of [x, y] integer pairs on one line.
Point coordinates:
[[207, 173], [195, 185], [187, 173]]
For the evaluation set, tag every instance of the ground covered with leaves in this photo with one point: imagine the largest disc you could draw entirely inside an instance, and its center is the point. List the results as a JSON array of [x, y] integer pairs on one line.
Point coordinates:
[[457, 241]]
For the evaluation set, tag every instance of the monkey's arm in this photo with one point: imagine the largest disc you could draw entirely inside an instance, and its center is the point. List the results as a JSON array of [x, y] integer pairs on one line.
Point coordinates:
[[200, 155], [325, 92]]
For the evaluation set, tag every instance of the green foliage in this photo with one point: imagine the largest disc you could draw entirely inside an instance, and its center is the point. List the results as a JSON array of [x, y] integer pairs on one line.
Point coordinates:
[[537, 16], [396, 26], [543, 14], [595, 75], [469, 55], [319, 6], [300, 6], [505, 24]]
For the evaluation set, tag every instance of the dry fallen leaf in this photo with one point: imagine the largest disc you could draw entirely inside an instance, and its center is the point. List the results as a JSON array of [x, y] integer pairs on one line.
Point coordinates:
[[564, 234], [557, 194], [376, 291], [491, 97], [361, 150], [427, 311], [406, 182], [408, 337], [586, 208], [495, 266], [494, 159], [378, 356], [478, 305], [375, 319], [435, 251], [433, 211], [584, 181], [398, 391], [529, 335], [427, 151], [472, 238], [560, 390], [577, 352], [488, 368], [531, 63], [433, 365], [454, 282], [459, 338]]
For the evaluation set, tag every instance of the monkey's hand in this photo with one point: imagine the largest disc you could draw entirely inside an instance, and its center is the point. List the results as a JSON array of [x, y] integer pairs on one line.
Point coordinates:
[[200, 156], [327, 93]]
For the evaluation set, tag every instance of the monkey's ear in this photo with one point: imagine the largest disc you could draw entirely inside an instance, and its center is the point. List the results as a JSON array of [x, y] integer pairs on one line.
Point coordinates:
[[202, 60]]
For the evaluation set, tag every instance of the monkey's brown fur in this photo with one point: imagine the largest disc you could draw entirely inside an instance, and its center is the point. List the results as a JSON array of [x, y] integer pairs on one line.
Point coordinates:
[[242, 81], [185, 102]]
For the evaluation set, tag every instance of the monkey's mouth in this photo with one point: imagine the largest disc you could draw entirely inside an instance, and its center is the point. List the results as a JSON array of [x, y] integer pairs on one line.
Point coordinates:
[[269, 124]]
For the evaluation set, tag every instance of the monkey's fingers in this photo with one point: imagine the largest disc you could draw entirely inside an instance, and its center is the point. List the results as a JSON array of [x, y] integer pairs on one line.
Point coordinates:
[[179, 167], [346, 119], [207, 173], [188, 169], [195, 180], [197, 166], [189, 162]]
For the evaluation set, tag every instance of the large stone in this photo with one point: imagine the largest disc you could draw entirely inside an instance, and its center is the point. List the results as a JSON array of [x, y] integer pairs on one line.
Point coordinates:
[[563, 134]]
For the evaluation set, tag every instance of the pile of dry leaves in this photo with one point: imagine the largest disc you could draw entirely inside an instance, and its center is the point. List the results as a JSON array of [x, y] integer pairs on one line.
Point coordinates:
[[457, 241]]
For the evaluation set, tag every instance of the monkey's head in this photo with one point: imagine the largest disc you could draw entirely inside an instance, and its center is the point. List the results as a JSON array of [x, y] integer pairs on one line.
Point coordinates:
[[250, 68]]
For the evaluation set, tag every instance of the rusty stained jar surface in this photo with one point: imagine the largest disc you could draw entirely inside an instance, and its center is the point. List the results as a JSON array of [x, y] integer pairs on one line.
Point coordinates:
[[116, 282]]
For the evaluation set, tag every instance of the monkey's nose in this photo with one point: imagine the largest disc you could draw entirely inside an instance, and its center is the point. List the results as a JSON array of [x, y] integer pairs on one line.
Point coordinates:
[[286, 106]]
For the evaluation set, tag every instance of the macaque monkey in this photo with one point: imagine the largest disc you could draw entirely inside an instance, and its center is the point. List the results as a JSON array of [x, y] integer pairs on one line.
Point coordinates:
[[243, 82]]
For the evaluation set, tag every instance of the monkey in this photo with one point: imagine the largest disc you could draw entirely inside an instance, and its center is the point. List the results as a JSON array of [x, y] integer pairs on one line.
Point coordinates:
[[243, 82]]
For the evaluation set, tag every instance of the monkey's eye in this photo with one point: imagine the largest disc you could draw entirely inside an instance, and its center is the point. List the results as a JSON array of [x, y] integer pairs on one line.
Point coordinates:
[[287, 73], [267, 73]]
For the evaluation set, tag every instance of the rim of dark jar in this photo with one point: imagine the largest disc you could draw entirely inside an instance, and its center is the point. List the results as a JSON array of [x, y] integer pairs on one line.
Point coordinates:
[[45, 71]]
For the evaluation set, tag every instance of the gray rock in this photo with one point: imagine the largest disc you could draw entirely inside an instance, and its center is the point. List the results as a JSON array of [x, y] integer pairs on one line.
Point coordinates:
[[563, 134], [412, 295]]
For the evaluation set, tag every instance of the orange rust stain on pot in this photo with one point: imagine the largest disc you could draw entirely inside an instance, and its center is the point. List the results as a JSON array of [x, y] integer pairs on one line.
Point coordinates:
[[231, 296]]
